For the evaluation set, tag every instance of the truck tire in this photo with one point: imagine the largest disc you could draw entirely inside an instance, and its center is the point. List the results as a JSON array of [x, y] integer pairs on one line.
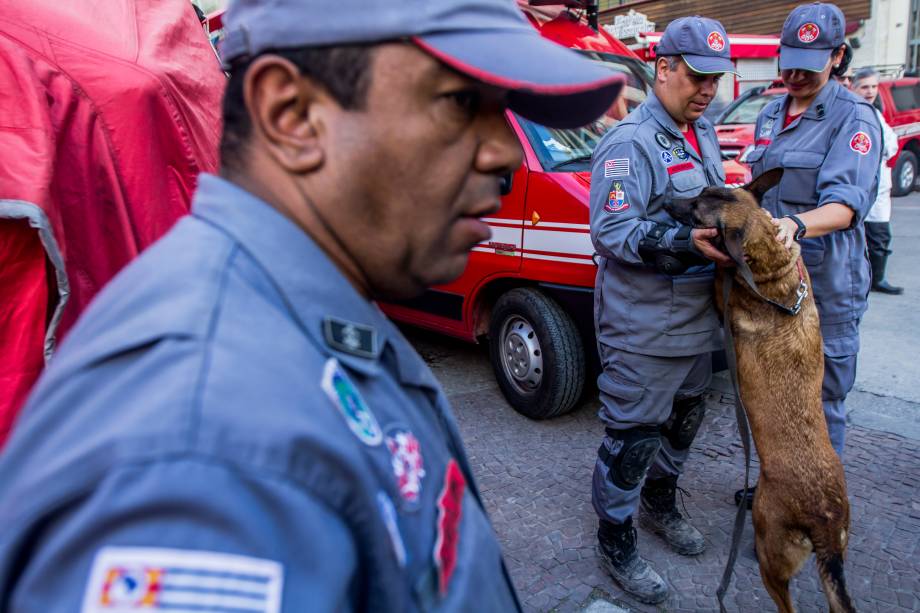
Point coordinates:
[[904, 175], [536, 353]]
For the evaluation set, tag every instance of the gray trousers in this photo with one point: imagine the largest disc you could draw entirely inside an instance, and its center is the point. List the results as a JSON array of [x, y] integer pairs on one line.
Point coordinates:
[[841, 346], [640, 390]]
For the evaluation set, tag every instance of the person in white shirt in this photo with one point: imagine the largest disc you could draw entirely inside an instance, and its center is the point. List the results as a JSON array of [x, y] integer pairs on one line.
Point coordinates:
[[878, 221]]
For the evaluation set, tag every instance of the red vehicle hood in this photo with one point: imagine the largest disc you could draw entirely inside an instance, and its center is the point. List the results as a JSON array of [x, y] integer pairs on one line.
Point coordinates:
[[735, 135]]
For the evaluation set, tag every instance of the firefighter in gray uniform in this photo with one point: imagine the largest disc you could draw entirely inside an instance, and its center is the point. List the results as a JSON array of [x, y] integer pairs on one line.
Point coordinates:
[[829, 142], [655, 322], [234, 424]]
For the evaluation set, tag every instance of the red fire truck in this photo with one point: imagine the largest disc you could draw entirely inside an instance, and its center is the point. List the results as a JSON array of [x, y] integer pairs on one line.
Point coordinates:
[[528, 292]]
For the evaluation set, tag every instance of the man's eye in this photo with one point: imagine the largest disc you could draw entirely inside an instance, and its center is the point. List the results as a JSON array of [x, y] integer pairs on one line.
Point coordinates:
[[466, 100]]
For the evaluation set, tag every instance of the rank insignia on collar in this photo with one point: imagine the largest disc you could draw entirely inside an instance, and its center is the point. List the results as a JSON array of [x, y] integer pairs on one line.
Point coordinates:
[[662, 140], [348, 337], [407, 463], [347, 399]]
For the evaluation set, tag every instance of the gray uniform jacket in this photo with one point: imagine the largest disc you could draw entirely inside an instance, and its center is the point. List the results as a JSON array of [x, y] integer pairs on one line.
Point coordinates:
[[639, 164], [231, 426], [831, 153]]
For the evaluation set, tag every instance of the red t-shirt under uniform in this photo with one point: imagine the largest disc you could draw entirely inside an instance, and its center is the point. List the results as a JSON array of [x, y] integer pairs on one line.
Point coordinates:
[[690, 137]]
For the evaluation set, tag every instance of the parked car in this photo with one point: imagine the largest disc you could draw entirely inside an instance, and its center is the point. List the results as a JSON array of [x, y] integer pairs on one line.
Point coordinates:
[[529, 291], [900, 105]]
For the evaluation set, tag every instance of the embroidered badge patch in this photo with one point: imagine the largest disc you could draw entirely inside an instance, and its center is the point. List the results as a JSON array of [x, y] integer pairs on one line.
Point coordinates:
[[715, 40], [450, 509], [662, 140], [616, 199], [861, 143], [680, 153], [616, 168], [666, 157], [388, 514], [408, 465], [346, 398], [142, 579], [809, 32], [766, 129]]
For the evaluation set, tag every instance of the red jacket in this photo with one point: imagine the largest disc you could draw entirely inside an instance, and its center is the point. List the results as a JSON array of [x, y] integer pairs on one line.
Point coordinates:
[[106, 119]]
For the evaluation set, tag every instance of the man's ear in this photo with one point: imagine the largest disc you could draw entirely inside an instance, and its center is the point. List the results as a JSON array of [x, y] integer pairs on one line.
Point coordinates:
[[282, 104], [764, 182]]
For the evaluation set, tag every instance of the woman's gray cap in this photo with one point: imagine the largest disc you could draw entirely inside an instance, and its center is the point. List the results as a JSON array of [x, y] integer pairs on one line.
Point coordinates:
[[701, 41], [810, 35], [487, 40]]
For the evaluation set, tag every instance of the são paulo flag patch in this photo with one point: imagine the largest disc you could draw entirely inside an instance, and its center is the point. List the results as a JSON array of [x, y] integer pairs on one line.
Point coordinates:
[[861, 143], [145, 579]]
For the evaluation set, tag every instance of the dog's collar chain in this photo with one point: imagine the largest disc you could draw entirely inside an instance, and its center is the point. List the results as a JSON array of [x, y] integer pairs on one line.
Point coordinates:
[[801, 291]]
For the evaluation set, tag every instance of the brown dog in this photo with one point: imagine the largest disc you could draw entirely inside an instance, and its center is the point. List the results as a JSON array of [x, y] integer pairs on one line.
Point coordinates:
[[801, 502]]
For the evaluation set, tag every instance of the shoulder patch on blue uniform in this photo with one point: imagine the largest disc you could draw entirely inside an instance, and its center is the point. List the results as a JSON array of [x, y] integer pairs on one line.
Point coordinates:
[[351, 338], [138, 579], [347, 399], [618, 167], [388, 515]]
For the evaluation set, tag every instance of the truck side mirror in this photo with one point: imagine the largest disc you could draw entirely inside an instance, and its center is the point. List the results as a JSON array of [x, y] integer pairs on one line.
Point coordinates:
[[506, 184]]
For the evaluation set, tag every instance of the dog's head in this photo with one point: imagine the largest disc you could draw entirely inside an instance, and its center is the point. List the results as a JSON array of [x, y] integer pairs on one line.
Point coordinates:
[[732, 211]]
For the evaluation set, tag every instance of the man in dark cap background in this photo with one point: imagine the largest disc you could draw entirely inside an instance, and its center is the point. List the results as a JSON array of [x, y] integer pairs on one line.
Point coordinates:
[[656, 326], [234, 424]]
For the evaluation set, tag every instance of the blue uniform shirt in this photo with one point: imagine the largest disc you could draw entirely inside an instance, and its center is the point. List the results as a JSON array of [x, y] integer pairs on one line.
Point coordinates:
[[641, 163], [831, 153], [231, 426]]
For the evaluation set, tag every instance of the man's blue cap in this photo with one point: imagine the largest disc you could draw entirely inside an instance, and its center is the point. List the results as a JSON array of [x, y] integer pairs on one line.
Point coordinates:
[[702, 42], [487, 40], [810, 34]]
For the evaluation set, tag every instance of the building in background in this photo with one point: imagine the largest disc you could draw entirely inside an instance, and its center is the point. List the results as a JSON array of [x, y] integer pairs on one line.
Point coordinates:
[[883, 33]]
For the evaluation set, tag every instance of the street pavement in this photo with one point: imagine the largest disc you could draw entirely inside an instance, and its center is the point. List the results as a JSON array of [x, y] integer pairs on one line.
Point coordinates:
[[535, 476]]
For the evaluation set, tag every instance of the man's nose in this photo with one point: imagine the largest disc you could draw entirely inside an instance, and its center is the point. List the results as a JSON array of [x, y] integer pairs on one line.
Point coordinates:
[[709, 87], [500, 151]]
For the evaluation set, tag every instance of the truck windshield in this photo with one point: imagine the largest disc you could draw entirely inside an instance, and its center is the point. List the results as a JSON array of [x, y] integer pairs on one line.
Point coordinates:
[[747, 111], [570, 150]]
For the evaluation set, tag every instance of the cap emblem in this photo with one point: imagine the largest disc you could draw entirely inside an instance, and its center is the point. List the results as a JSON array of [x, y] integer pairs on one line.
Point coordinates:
[[809, 32], [715, 40]]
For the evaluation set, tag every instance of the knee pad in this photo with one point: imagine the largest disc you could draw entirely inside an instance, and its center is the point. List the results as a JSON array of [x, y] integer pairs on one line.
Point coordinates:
[[630, 455], [684, 422]]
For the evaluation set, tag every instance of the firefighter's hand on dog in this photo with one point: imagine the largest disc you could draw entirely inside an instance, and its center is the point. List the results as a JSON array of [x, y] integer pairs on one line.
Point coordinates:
[[702, 241], [785, 231]]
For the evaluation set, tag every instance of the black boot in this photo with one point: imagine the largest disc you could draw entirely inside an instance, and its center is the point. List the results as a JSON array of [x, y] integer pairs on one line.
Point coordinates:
[[658, 513], [879, 262], [617, 549], [749, 500]]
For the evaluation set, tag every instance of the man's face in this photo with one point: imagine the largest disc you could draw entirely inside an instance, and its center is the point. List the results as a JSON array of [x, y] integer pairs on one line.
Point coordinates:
[[684, 93], [411, 174], [867, 88]]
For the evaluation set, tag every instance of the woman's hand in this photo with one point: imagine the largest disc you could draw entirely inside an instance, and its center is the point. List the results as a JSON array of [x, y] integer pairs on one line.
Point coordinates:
[[785, 230]]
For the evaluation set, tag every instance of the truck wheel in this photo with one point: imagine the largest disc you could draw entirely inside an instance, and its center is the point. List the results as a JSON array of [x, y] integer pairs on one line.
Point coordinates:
[[905, 174], [536, 353]]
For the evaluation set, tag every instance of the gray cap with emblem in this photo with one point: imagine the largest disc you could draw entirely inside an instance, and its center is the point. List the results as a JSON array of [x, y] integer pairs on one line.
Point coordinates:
[[700, 41], [810, 35], [487, 40]]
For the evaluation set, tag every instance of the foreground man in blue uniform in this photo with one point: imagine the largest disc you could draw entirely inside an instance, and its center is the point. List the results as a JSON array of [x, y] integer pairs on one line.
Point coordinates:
[[234, 425], [656, 325]]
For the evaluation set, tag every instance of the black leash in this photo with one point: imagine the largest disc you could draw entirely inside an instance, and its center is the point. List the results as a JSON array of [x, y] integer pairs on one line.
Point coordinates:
[[743, 429]]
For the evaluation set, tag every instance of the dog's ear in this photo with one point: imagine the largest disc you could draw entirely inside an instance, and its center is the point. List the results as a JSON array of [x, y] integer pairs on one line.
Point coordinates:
[[734, 245], [764, 182]]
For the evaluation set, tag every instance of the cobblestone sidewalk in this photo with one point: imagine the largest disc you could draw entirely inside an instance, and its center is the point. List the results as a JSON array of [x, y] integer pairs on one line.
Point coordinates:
[[535, 478]]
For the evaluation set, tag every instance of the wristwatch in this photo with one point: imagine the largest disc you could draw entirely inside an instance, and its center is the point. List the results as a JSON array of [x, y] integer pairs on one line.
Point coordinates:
[[800, 232]]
